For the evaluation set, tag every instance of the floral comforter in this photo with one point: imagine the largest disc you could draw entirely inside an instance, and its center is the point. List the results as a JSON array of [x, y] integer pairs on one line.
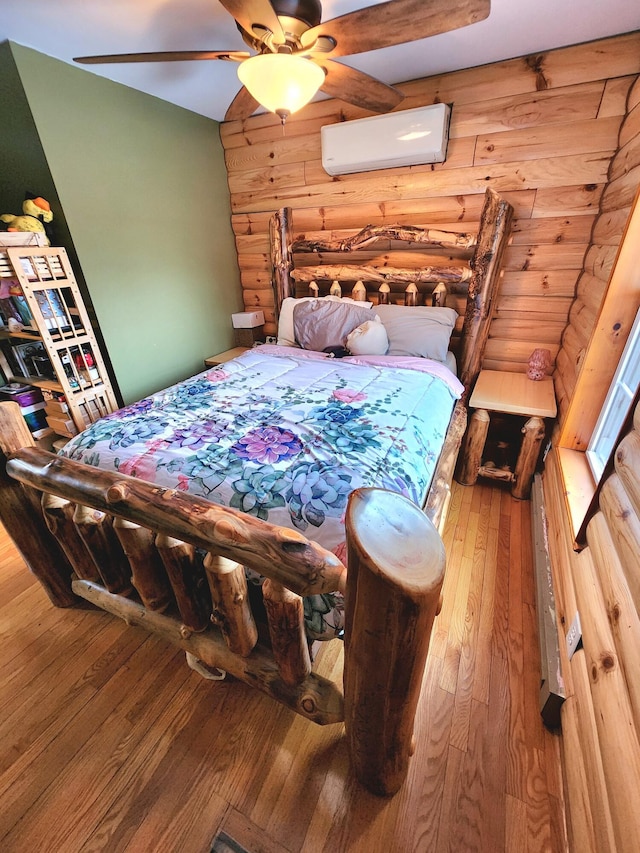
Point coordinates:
[[286, 435]]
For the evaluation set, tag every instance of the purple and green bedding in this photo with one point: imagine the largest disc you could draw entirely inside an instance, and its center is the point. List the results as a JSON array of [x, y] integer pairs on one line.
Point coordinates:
[[286, 435]]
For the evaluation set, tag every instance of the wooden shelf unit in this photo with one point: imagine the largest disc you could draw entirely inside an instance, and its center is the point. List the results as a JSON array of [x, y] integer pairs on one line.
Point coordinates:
[[61, 324]]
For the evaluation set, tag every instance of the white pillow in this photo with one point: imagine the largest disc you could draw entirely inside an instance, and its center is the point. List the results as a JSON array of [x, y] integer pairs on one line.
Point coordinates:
[[418, 331], [286, 334], [370, 338]]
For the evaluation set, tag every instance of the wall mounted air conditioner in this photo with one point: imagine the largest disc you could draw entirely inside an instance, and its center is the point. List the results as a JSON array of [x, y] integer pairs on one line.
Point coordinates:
[[404, 138]]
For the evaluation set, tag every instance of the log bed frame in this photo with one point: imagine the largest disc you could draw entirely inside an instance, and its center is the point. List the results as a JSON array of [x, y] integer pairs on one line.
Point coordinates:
[[135, 549]]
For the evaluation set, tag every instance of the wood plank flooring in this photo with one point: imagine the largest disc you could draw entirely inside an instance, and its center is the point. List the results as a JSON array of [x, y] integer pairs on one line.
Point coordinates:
[[109, 742]]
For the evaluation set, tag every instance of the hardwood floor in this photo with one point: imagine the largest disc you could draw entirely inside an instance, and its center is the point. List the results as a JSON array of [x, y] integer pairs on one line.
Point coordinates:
[[110, 742]]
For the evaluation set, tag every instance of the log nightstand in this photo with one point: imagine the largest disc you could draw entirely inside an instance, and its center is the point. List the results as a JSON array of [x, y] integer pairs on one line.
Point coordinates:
[[510, 394], [227, 355]]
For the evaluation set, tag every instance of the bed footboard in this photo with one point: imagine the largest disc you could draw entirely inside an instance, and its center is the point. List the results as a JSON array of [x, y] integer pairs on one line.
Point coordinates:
[[135, 550]]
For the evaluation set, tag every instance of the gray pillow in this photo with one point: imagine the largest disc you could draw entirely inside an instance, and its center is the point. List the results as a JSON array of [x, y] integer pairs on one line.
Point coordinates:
[[318, 324], [421, 331]]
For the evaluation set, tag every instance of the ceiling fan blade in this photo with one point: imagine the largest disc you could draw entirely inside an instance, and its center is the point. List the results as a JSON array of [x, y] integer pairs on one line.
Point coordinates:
[[396, 22], [357, 88], [167, 56], [242, 106], [249, 12]]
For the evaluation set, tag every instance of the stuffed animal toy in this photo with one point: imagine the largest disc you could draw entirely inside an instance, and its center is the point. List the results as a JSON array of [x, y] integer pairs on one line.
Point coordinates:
[[35, 213]]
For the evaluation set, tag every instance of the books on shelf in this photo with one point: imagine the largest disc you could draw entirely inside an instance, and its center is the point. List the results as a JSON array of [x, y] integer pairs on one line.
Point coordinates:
[[31, 402]]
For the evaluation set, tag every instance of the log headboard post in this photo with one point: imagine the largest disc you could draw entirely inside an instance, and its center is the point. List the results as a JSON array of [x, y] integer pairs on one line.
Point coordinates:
[[493, 237], [280, 238]]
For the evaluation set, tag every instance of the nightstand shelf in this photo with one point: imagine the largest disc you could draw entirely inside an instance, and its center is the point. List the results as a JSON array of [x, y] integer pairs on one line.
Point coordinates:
[[507, 394], [227, 355]]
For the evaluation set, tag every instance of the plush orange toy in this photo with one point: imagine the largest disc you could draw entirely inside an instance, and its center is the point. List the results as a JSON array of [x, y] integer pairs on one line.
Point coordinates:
[[35, 213]]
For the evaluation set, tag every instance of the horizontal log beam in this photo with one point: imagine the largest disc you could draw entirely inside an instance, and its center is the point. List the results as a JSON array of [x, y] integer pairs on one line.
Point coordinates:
[[277, 552], [334, 272], [440, 491], [372, 233], [617, 736], [315, 698], [502, 474]]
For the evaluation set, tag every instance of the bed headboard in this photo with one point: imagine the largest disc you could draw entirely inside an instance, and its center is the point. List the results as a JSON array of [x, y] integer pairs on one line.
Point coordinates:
[[434, 267]]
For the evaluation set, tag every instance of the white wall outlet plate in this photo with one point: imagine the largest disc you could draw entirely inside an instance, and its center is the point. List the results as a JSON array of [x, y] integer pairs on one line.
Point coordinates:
[[574, 635]]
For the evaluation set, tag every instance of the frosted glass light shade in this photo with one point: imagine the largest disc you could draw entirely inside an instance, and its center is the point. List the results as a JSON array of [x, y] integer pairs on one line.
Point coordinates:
[[280, 82]]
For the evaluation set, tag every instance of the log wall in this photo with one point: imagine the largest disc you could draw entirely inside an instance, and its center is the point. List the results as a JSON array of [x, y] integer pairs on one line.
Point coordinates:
[[539, 129], [601, 714], [615, 205]]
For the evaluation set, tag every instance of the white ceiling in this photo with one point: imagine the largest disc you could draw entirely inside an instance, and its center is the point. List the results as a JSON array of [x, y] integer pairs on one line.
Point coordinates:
[[67, 28]]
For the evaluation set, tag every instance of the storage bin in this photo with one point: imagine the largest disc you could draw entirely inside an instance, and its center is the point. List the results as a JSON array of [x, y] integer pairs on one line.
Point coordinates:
[[24, 395]]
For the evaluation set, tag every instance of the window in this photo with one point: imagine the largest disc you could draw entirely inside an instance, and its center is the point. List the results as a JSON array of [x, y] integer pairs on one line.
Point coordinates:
[[618, 401], [606, 385]]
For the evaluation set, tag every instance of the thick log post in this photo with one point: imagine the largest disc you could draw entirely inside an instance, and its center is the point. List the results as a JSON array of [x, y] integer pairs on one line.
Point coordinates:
[[22, 517], [533, 431], [231, 610], [473, 447], [58, 514], [280, 239], [95, 528], [493, 235], [187, 580], [396, 569], [147, 571], [285, 615]]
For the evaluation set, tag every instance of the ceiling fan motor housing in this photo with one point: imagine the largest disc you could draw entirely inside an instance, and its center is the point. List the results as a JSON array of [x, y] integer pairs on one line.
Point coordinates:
[[307, 11]]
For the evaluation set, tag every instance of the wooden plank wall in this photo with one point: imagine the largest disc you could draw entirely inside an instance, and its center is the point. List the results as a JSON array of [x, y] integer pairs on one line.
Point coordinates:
[[615, 206], [601, 714], [539, 129]]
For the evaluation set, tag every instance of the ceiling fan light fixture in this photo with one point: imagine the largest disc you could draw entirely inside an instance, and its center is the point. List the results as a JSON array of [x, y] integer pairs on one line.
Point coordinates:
[[282, 83]]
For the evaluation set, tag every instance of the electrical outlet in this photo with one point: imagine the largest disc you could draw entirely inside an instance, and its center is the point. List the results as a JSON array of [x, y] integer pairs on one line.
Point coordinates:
[[574, 636]]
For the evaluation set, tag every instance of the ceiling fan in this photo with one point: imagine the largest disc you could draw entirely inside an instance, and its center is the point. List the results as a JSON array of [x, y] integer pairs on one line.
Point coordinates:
[[295, 50]]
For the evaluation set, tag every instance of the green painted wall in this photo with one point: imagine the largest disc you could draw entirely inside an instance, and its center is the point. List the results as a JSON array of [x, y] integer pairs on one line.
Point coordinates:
[[23, 164], [143, 193]]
